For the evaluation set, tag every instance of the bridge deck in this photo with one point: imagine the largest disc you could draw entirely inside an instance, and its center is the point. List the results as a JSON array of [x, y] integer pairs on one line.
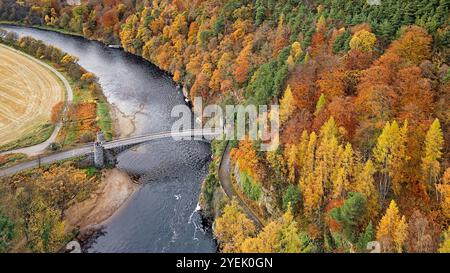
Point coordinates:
[[89, 148]]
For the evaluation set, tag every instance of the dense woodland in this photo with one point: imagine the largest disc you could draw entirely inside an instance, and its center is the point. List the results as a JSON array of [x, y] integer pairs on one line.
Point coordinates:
[[33, 206], [364, 93]]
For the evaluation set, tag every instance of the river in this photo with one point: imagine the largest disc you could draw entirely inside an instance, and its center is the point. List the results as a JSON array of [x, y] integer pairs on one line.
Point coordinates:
[[162, 216]]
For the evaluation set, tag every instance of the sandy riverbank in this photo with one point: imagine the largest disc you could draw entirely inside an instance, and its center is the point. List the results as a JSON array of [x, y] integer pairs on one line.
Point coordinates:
[[115, 188], [124, 124]]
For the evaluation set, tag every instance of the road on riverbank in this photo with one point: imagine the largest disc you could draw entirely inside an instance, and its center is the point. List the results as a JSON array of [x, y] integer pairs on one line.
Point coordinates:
[[227, 186]]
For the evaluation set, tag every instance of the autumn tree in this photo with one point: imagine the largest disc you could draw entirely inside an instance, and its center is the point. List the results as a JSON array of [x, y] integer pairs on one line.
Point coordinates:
[[245, 156], [414, 45], [280, 236], [377, 99], [243, 64], [318, 42], [62, 185], [320, 104], [434, 142], [233, 228], [445, 245], [294, 57], [109, 19], [289, 234], [71, 64], [46, 230], [56, 112], [201, 84], [331, 82], [277, 163], [392, 230], [88, 78], [420, 238], [221, 74], [287, 106], [326, 169], [390, 156], [267, 241], [295, 156], [414, 93], [444, 190], [344, 112], [365, 184], [363, 40], [312, 188], [281, 37]]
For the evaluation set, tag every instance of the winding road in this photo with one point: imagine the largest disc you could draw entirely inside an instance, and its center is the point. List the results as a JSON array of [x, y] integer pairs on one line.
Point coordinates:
[[40, 148], [227, 186]]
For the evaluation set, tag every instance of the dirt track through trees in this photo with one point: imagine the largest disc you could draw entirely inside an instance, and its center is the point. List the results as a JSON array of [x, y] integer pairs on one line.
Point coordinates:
[[28, 91]]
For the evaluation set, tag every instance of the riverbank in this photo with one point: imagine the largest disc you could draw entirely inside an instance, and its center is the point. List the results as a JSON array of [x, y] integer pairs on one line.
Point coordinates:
[[124, 125], [113, 191], [62, 31], [95, 196]]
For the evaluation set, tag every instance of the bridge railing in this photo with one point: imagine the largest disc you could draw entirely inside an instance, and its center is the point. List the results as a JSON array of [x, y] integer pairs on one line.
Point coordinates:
[[148, 137]]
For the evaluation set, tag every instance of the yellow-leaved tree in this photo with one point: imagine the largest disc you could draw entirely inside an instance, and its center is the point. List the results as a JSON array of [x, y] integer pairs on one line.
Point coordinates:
[[295, 156], [444, 191], [434, 142], [267, 241], [287, 106], [363, 40], [233, 228], [289, 234], [45, 229], [280, 236], [365, 184], [392, 230], [445, 246], [390, 157]]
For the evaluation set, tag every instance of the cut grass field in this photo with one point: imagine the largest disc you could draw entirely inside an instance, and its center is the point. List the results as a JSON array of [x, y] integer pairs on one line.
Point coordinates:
[[28, 91]]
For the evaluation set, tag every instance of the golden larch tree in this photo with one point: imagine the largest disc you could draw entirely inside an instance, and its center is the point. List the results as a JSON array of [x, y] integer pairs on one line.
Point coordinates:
[[444, 192], [233, 228], [392, 230], [445, 245], [365, 184], [390, 156], [287, 106], [434, 142]]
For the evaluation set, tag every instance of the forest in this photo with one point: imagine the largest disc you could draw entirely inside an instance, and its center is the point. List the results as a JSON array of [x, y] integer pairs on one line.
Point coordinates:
[[363, 91]]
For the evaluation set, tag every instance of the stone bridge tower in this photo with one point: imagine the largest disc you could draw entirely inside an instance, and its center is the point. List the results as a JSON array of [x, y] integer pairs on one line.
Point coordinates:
[[99, 151]]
